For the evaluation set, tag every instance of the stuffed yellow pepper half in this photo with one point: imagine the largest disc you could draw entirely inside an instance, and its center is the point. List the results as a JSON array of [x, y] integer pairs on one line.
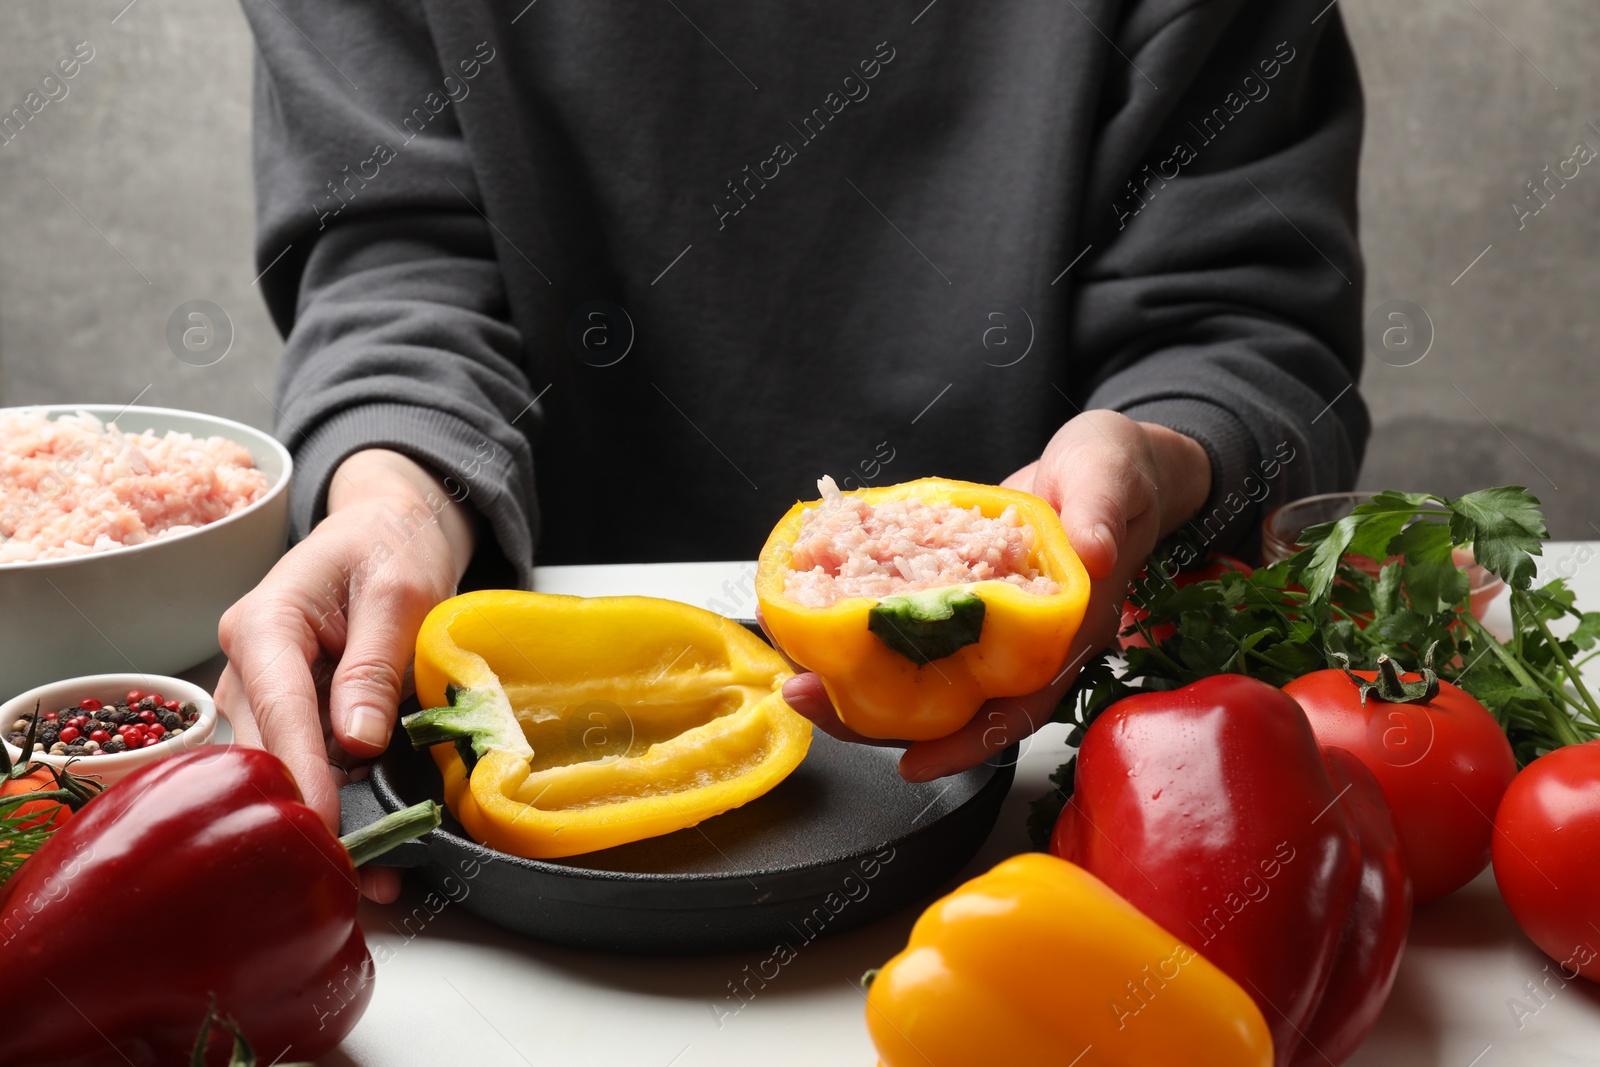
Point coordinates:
[[917, 602]]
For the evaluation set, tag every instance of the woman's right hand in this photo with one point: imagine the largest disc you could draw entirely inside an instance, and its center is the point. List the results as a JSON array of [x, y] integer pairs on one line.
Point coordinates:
[[318, 651]]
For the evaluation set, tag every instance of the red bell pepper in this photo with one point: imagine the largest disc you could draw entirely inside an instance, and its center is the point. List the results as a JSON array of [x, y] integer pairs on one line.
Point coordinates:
[[199, 880], [1211, 809]]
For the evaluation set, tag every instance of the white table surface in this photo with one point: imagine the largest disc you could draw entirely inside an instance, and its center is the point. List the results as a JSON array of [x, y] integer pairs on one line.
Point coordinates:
[[454, 990]]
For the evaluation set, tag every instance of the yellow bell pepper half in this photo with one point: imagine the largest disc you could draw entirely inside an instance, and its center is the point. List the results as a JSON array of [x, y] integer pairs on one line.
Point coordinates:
[[1038, 963], [919, 666], [575, 724]]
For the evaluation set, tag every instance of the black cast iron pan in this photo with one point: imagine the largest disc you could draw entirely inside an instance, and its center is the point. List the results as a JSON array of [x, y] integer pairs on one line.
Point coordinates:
[[840, 842]]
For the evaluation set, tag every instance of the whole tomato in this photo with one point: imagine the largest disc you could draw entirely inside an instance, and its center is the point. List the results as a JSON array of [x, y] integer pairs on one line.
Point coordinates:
[[1545, 860], [1217, 565], [50, 811], [1443, 763]]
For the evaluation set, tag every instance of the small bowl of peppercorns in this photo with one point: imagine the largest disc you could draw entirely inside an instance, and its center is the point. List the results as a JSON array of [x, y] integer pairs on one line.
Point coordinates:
[[109, 725]]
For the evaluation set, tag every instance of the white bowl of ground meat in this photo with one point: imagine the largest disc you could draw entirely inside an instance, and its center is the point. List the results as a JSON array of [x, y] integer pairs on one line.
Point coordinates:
[[125, 533]]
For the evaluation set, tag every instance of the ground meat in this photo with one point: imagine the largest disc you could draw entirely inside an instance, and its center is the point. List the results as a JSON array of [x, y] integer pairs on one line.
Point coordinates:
[[847, 547], [73, 485]]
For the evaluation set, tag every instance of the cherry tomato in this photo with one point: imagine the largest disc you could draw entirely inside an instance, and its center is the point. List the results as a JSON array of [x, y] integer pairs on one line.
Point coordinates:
[[49, 811], [1545, 860], [1443, 766], [1217, 565]]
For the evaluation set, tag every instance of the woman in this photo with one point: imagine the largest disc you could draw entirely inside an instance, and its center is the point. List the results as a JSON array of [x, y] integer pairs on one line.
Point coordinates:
[[622, 281]]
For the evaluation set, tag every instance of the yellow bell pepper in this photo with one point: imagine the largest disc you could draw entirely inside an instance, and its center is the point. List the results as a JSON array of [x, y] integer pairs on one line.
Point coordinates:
[[581, 723], [919, 665], [1038, 962]]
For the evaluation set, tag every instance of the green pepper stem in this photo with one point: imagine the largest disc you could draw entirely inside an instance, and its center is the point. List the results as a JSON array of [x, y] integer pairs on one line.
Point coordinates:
[[477, 720], [396, 828], [928, 625], [447, 723]]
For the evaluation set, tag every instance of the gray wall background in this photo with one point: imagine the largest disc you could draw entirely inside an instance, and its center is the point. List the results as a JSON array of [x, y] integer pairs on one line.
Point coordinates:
[[131, 195]]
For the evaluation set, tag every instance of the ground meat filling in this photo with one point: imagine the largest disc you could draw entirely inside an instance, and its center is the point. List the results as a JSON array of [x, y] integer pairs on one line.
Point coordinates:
[[74, 485], [849, 548]]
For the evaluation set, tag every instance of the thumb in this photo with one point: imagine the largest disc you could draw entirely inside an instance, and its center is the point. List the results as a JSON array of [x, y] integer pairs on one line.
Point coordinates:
[[1092, 532], [1094, 473], [1022, 479]]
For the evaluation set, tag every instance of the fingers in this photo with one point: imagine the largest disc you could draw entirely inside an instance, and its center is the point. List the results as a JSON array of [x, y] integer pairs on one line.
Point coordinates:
[[1099, 473], [271, 656], [369, 682], [998, 725], [805, 694], [1095, 542], [232, 706], [379, 884]]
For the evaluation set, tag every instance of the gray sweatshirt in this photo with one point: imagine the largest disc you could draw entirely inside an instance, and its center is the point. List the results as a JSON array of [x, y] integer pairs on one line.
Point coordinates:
[[631, 277]]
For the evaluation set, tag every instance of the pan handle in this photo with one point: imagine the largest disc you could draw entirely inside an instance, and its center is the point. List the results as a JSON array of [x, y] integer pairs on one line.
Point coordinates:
[[359, 806]]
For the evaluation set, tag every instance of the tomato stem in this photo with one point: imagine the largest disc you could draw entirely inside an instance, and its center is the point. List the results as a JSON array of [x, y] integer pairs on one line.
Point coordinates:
[[41, 796], [1388, 687]]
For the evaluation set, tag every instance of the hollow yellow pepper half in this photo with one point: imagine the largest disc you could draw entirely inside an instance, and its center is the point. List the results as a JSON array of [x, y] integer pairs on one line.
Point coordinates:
[[919, 665], [566, 724], [1038, 963]]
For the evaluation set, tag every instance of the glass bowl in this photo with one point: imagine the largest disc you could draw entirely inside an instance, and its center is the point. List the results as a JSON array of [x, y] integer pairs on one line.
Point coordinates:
[[1281, 531]]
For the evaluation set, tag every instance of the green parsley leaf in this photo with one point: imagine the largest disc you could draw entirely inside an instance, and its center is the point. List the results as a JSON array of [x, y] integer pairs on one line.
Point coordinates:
[[1432, 579], [1587, 632], [1504, 527], [1380, 520]]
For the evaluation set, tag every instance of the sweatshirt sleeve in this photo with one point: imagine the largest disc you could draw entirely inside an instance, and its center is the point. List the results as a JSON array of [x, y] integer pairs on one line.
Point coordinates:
[[379, 269], [1220, 293]]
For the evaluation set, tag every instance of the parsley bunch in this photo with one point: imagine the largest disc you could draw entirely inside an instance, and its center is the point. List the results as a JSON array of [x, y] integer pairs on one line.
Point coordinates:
[[1382, 580]]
